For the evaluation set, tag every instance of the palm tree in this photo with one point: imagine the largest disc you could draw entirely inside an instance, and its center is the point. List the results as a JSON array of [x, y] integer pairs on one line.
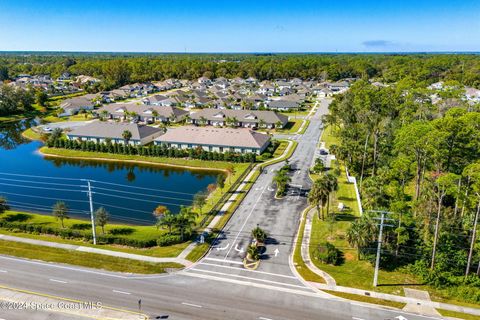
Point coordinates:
[[261, 123], [185, 220], [331, 182], [60, 212], [127, 135], [361, 232], [104, 114], [318, 196], [253, 253], [167, 219], [259, 235], [203, 121]]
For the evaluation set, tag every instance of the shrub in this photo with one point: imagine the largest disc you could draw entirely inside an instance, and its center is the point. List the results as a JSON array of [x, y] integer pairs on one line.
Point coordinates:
[[329, 254], [168, 239]]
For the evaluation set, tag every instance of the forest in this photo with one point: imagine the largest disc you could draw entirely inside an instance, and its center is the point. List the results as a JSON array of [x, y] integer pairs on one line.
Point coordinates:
[[119, 69], [420, 161]]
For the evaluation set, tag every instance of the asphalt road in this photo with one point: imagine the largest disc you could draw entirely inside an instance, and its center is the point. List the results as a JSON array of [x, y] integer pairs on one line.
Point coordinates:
[[278, 217], [180, 296], [218, 287]]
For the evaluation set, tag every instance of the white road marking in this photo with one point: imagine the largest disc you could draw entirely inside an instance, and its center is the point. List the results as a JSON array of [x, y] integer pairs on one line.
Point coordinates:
[[121, 292], [224, 248], [222, 260], [263, 318], [276, 252], [59, 281], [242, 269], [236, 248], [3, 271], [355, 318], [245, 222], [250, 278], [191, 305], [310, 293]]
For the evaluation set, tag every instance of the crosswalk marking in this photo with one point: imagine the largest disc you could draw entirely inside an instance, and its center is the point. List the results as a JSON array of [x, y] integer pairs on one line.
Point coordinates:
[[250, 278], [247, 270]]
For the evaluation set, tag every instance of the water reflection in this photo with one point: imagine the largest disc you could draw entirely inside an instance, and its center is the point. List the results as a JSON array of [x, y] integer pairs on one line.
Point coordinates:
[[11, 133], [152, 185]]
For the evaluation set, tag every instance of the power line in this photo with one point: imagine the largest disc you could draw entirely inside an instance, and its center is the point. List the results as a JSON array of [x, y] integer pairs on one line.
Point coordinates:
[[34, 187], [133, 199], [141, 194], [42, 177], [42, 182], [142, 188], [40, 197]]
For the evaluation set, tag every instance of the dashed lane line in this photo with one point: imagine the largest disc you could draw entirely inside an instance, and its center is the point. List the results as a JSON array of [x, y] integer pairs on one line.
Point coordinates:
[[191, 305], [58, 281], [122, 292]]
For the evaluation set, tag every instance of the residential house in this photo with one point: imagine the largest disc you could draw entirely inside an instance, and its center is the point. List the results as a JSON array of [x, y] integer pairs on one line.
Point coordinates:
[[99, 132], [215, 139], [144, 113], [238, 118], [74, 105], [283, 105]]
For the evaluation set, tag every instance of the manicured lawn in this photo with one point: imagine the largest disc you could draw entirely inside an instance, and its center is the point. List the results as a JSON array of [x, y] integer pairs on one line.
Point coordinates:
[[301, 267], [458, 315], [328, 136], [366, 299], [292, 126], [297, 114], [32, 135], [179, 162], [84, 259]]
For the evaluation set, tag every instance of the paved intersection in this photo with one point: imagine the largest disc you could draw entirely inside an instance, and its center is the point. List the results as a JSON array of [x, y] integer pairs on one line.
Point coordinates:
[[278, 217]]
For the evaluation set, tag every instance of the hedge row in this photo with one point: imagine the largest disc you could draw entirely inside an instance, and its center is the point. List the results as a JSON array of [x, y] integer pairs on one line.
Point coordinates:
[[75, 234], [151, 151]]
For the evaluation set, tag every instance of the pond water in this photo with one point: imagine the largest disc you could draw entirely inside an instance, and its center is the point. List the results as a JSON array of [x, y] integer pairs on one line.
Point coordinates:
[[130, 192]]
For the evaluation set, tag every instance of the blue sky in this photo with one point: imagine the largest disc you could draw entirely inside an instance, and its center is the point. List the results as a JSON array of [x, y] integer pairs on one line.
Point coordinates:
[[240, 26]]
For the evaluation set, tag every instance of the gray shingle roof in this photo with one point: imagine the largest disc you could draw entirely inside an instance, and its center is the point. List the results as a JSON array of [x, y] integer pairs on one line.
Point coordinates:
[[241, 115], [226, 137], [114, 130], [142, 110]]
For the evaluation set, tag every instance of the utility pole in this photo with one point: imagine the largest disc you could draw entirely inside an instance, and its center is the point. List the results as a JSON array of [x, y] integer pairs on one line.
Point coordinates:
[[379, 246], [472, 244], [91, 212]]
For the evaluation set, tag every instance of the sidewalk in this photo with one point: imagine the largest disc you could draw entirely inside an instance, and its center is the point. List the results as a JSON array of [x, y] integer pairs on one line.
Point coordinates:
[[117, 254], [422, 304], [306, 252]]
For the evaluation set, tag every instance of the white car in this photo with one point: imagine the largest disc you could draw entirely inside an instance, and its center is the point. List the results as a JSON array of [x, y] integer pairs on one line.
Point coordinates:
[[47, 129]]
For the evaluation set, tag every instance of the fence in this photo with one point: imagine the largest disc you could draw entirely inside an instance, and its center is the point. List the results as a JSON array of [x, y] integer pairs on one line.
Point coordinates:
[[353, 180]]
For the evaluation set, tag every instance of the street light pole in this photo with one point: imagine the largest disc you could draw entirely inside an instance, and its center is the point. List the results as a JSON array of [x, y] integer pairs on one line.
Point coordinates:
[[379, 248], [91, 213]]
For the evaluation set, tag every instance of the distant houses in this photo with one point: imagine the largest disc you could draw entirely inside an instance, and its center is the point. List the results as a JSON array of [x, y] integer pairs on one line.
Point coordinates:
[[99, 132], [215, 139], [74, 105], [238, 118], [144, 113]]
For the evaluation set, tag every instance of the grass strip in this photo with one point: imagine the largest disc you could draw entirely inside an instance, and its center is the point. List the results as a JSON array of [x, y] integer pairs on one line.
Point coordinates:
[[356, 297], [83, 259]]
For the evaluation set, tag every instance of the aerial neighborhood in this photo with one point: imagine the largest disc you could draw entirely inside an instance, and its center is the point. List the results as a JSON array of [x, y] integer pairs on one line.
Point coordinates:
[[178, 113]]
